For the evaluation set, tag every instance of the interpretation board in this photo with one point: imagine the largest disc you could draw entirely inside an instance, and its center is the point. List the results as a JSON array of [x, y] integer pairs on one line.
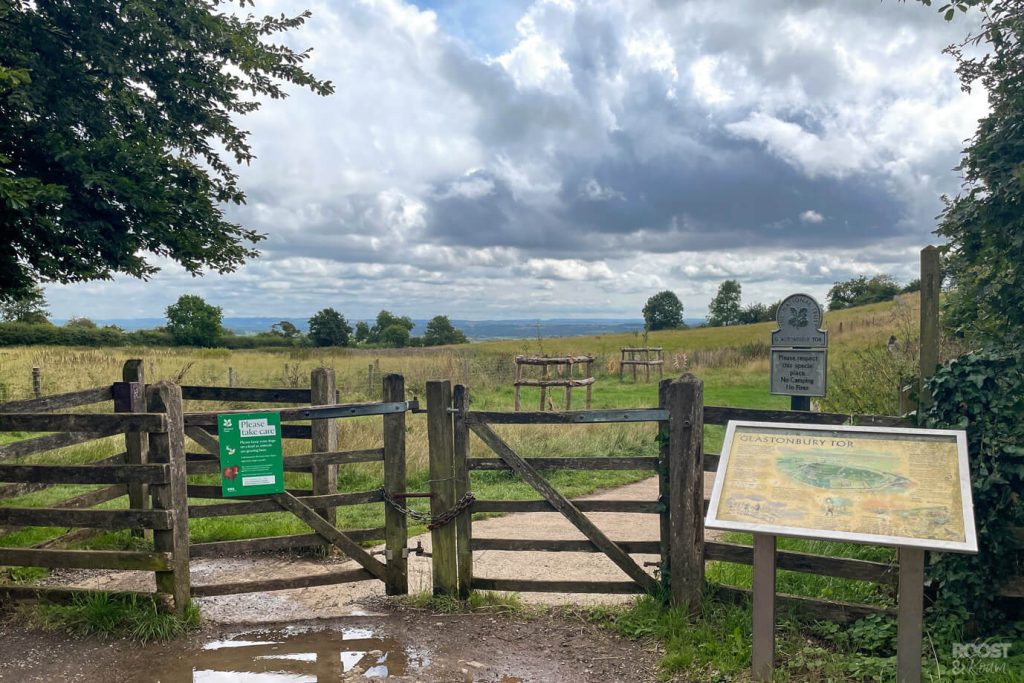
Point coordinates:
[[251, 460], [887, 486]]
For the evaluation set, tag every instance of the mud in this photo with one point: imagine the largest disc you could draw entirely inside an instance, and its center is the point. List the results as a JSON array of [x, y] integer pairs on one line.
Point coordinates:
[[400, 644]]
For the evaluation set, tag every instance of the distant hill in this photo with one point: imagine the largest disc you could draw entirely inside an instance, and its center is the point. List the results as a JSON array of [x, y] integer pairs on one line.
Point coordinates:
[[474, 329]]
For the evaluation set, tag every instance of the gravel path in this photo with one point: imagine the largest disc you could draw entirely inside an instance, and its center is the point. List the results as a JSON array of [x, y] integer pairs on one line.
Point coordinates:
[[325, 602]]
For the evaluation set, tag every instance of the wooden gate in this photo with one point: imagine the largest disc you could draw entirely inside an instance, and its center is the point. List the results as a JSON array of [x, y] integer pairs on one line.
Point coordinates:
[[679, 464], [316, 507]]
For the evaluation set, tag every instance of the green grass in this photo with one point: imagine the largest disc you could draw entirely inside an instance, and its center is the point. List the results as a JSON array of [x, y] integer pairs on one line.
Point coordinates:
[[479, 601], [110, 615], [715, 646]]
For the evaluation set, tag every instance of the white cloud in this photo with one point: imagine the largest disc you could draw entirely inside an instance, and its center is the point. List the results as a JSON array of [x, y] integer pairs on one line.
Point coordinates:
[[811, 216]]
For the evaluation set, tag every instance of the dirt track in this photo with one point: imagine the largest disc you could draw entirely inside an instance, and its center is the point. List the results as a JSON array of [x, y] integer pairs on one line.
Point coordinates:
[[346, 600]]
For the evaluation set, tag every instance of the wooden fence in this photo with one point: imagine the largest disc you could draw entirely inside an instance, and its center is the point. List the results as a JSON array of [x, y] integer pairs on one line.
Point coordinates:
[[154, 470]]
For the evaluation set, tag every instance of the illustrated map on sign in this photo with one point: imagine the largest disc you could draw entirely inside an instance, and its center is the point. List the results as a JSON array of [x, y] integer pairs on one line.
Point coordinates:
[[884, 486]]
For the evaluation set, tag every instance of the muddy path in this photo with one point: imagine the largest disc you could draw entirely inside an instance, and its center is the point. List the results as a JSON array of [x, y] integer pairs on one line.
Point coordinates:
[[389, 642]]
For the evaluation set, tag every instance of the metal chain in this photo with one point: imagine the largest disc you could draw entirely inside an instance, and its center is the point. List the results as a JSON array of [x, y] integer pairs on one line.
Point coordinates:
[[433, 521]]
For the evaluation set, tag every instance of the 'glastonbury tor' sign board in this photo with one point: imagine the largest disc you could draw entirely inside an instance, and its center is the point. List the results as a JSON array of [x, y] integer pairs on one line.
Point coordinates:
[[886, 486], [799, 353]]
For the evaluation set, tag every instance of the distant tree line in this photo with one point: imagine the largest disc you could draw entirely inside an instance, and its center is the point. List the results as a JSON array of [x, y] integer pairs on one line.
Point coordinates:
[[191, 321]]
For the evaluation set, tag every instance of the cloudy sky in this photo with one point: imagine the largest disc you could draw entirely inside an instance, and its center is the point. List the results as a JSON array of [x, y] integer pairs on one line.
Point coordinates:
[[560, 158]]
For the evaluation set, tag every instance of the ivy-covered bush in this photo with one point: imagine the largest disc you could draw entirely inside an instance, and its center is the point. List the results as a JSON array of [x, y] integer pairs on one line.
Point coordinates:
[[983, 393]]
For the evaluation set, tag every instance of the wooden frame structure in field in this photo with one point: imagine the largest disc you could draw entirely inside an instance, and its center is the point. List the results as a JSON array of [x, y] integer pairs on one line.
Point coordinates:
[[645, 356], [564, 370]]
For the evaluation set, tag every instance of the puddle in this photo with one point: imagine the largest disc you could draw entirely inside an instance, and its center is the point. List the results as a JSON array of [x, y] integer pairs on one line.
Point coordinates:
[[294, 654]]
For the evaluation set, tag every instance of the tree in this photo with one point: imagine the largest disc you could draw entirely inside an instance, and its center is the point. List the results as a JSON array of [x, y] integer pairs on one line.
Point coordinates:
[[386, 319], [193, 322], [755, 313], [441, 331], [724, 309], [329, 328], [81, 323], [984, 224], [285, 329], [860, 291], [362, 331], [663, 311], [29, 307], [118, 125], [395, 336]]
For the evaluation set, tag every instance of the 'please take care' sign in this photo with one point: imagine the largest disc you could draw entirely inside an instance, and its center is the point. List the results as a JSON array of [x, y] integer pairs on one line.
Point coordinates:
[[251, 459]]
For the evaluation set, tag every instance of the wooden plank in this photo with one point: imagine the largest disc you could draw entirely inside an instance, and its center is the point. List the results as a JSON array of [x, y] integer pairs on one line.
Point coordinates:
[[711, 461], [329, 532], [304, 432], [395, 523], [762, 651], [84, 474], [251, 505], [544, 545], [910, 613], [169, 447], [553, 360], [441, 442], [87, 422], [76, 517], [245, 394], [300, 463], [82, 501], [534, 586], [597, 462], [554, 382], [205, 440], [130, 397], [85, 559], [625, 506], [844, 568], [276, 543], [216, 492], [1013, 588], [52, 442], [804, 608], [326, 579], [209, 419], [686, 487], [324, 436], [575, 417], [563, 505], [72, 399], [464, 522], [63, 596], [717, 415]]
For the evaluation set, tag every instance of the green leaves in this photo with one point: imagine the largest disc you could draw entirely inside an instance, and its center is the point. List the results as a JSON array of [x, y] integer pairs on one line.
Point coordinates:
[[112, 118]]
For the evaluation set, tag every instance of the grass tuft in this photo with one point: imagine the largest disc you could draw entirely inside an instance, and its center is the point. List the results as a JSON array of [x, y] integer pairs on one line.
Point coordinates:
[[110, 615], [479, 601]]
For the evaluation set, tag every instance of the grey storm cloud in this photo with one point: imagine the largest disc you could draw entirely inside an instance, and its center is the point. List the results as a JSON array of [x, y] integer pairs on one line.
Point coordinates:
[[626, 145]]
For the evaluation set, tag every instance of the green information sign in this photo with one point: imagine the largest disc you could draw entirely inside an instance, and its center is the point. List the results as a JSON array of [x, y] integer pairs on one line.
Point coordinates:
[[251, 461]]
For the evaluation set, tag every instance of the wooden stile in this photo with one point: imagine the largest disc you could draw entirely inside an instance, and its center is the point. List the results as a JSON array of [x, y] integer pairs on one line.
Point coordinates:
[[464, 522]]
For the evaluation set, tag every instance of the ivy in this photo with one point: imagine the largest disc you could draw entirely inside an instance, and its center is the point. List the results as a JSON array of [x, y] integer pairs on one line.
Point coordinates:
[[983, 393]]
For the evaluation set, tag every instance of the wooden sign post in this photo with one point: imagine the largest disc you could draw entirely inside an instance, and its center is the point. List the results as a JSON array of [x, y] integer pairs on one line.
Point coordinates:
[[908, 488]]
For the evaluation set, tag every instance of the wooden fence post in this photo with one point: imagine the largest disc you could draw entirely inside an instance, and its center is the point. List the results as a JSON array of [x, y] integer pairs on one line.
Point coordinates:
[[37, 382], [169, 447], [464, 522], [664, 494], [395, 525], [686, 491], [931, 281], [442, 485], [132, 399], [325, 439], [231, 377]]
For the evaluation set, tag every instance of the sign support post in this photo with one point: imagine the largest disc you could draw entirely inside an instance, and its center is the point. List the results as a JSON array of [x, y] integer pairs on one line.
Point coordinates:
[[910, 615], [762, 656]]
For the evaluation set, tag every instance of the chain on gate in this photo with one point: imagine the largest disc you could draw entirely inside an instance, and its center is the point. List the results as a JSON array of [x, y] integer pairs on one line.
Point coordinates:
[[433, 521]]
